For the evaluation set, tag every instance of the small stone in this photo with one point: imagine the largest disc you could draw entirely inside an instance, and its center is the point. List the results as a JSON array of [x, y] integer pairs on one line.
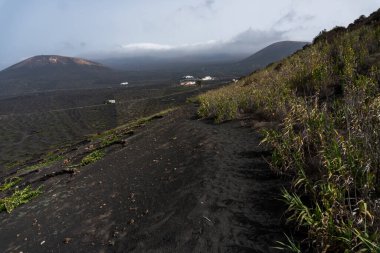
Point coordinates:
[[67, 240]]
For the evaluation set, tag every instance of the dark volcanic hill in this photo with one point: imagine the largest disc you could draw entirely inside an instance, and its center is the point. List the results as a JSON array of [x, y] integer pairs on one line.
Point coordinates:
[[51, 72], [272, 53], [53, 61], [52, 66]]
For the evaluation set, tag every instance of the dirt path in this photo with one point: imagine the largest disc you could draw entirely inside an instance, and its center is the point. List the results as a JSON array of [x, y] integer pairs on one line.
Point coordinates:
[[179, 185]]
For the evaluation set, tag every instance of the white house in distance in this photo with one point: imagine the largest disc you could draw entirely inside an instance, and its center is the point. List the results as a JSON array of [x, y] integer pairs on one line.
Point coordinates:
[[208, 78], [191, 80], [111, 101], [124, 83], [188, 81]]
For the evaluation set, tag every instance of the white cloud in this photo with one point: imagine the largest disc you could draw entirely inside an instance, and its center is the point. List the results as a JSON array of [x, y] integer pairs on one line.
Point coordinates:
[[146, 47], [164, 26], [244, 43]]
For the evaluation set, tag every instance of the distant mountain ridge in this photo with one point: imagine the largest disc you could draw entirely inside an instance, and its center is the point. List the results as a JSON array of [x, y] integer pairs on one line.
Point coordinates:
[[218, 64], [272, 53]]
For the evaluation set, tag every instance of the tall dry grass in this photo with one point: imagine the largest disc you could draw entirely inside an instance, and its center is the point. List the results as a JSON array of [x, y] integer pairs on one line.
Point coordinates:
[[328, 99]]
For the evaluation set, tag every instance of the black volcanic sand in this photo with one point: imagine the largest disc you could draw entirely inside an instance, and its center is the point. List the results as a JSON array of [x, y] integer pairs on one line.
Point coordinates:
[[177, 184], [33, 124]]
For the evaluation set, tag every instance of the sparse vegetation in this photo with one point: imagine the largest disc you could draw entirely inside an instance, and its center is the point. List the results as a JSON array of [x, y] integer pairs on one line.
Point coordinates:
[[48, 160], [328, 98], [9, 183], [13, 164], [115, 135], [19, 197], [92, 157]]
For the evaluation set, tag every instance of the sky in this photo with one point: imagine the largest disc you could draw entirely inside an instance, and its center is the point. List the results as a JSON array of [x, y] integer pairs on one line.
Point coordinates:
[[112, 28]]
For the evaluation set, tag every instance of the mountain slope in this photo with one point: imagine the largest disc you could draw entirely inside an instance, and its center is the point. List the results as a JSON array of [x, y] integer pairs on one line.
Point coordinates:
[[272, 53]]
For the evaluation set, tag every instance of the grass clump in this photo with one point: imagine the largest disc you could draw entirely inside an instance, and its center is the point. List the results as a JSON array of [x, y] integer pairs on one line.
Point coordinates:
[[109, 137], [109, 140], [19, 197], [9, 183], [48, 160], [328, 99], [92, 157]]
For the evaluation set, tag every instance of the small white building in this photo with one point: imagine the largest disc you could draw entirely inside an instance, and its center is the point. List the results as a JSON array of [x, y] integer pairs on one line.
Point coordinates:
[[187, 83], [208, 78], [111, 101], [124, 83]]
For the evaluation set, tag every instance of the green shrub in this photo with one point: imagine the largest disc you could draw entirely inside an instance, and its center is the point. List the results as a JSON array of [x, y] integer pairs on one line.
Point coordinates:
[[18, 198], [9, 183], [92, 157]]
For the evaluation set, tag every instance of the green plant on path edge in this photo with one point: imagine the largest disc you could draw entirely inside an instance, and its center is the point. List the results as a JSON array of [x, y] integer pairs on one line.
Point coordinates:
[[19, 197]]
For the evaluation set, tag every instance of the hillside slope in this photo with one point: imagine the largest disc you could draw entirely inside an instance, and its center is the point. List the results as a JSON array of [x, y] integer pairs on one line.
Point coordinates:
[[272, 53], [327, 97], [166, 183]]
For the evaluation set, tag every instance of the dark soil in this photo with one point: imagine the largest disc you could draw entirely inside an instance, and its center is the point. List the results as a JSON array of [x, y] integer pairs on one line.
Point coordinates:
[[31, 125], [177, 184]]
